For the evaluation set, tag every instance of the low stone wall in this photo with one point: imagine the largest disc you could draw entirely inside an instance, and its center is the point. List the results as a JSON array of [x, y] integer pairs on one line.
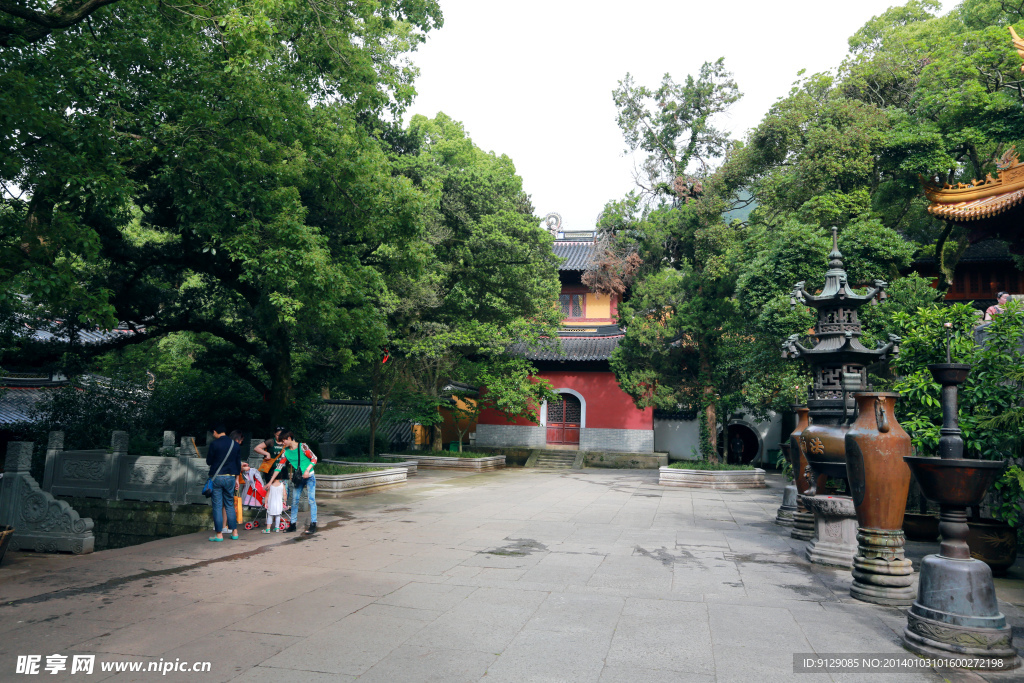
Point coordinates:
[[514, 457], [120, 523], [636, 461], [617, 440], [712, 479], [493, 462], [333, 484], [515, 436]]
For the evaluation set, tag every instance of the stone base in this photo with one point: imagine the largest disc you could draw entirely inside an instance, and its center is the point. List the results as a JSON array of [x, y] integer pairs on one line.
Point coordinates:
[[41, 522], [343, 483], [835, 531], [492, 462], [784, 517], [957, 614], [934, 638], [712, 479], [803, 525], [881, 573]]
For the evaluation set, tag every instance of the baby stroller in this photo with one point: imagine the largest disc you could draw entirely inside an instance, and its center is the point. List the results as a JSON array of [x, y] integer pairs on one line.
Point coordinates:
[[255, 496]]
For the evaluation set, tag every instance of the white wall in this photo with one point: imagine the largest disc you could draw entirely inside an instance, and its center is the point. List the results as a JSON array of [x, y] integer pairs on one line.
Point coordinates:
[[678, 437]]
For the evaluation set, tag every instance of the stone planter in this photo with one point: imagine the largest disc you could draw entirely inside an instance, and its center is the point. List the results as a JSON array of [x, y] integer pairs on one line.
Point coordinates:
[[407, 464], [712, 479], [343, 483], [5, 538], [492, 462], [994, 543]]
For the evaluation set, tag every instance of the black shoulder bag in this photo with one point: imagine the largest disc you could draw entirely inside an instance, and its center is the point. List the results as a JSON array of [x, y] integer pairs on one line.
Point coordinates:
[[298, 481]]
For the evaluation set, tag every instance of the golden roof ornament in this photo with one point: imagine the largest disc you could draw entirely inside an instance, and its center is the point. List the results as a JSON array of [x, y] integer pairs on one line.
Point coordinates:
[[1018, 43]]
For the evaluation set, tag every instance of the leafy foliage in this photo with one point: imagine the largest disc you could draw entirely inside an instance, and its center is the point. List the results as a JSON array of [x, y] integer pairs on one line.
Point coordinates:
[[990, 400]]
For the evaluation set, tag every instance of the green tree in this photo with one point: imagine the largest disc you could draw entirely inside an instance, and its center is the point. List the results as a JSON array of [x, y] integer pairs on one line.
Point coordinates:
[[509, 385], [491, 277], [674, 124], [219, 172]]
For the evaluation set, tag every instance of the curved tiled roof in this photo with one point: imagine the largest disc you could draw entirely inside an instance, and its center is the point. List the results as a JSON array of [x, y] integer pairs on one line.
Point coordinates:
[[573, 348], [976, 209], [576, 254]]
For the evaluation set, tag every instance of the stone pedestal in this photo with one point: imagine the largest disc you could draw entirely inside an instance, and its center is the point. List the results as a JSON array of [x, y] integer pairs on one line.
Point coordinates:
[[956, 613], [803, 524], [835, 531], [881, 572], [784, 517]]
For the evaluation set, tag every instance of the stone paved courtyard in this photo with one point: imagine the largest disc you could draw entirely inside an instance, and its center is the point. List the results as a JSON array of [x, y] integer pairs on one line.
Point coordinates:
[[515, 575]]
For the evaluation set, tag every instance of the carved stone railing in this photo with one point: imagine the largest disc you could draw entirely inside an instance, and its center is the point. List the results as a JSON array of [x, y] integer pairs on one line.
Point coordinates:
[[116, 475], [41, 522]]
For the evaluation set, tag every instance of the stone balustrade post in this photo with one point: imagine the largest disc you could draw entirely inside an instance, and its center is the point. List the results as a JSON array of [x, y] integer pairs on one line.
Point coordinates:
[[254, 458], [55, 444], [188, 447], [118, 449], [167, 449]]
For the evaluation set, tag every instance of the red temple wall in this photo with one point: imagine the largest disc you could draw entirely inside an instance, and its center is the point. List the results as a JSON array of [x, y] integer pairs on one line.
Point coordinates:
[[608, 406]]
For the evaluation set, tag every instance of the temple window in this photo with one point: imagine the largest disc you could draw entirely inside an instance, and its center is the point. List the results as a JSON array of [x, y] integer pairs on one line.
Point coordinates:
[[572, 305]]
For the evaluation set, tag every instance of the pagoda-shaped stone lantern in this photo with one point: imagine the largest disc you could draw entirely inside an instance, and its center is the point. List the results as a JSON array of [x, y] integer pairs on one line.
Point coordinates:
[[838, 363]]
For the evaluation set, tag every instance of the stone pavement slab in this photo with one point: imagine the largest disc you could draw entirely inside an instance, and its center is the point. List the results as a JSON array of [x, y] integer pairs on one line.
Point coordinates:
[[513, 575]]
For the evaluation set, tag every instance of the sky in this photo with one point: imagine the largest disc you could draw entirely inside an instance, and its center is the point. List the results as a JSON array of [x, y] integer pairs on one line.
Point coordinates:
[[533, 79]]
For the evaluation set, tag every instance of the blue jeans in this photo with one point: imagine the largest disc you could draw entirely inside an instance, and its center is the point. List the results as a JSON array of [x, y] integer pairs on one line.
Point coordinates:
[[224, 497], [293, 500]]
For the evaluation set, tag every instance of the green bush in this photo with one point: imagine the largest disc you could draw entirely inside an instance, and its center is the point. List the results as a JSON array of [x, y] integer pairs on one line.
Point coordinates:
[[331, 470], [705, 465], [991, 415]]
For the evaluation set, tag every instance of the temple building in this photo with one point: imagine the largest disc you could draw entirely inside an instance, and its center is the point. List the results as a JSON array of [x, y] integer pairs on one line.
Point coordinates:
[[988, 209], [594, 414]]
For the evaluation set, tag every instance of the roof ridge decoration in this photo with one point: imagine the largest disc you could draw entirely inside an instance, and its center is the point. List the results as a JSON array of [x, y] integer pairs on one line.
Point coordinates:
[[980, 198], [553, 223], [986, 198]]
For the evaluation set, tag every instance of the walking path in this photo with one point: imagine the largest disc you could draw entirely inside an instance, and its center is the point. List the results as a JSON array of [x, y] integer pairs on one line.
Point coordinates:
[[515, 575]]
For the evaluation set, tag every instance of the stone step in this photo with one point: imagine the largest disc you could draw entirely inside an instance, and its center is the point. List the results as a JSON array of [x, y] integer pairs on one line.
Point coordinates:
[[555, 460]]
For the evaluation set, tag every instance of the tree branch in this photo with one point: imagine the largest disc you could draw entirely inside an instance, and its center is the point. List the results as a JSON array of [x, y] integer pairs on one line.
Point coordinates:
[[38, 25]]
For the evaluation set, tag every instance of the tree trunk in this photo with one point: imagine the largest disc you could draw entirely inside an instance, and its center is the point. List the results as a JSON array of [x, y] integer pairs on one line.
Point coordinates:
[[711, 408], [374, 409], [279, 367], [438, 439], [712, 417]]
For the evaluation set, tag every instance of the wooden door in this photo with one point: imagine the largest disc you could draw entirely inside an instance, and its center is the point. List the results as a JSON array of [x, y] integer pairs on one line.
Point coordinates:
[[564, 417]]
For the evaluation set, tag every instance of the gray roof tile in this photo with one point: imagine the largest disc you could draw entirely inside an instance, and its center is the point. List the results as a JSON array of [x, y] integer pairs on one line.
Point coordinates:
[[577, 254], [346, 416], [573, 348]]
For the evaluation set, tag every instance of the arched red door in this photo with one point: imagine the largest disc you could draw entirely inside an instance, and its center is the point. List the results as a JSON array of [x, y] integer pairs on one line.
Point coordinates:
[[564, 420]]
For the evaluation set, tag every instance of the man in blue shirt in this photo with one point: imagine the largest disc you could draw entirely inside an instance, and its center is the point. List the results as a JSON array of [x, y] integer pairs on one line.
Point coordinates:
[[227, 451]]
